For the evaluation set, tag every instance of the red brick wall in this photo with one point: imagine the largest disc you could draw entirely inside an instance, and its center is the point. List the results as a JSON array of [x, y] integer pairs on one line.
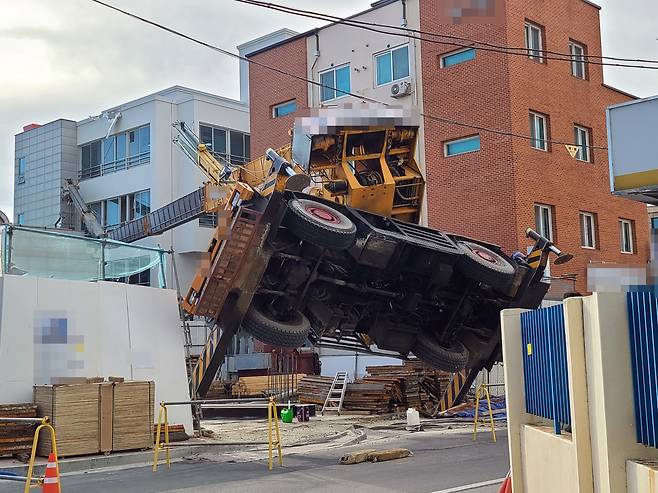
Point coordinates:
[[554, 177], [268, 88], [471, 194]]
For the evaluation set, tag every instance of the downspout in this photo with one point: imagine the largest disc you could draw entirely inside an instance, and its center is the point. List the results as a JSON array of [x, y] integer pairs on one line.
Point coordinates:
[[404, 13], [315, 62]]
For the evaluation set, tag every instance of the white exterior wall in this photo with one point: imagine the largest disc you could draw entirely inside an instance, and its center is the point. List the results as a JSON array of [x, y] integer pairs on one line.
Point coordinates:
[[112, 329], [170, 174], [339, 44]]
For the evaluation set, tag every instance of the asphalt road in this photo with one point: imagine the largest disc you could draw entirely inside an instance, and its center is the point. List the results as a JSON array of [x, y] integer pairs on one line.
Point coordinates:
[[441, 463]]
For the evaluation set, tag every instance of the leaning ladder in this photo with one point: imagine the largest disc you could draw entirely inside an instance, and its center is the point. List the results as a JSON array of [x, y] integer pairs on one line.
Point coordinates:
[[334, 400]]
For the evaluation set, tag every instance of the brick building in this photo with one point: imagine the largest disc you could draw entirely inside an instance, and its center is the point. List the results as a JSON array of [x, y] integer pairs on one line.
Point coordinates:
[[480, 183]]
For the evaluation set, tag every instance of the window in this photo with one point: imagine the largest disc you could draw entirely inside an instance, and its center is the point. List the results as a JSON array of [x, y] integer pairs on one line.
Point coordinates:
[[335, 83], [462, 146], [534, 42], [117, 210], [626, 235], [226, 144], [208, 220], [284, 109], [588, 230], [116, 153], [581, 138], [457, 57], [578, 52], [544, 220], [20, 218], [21, 166], [539, 131], [392, 65], [654, 222]]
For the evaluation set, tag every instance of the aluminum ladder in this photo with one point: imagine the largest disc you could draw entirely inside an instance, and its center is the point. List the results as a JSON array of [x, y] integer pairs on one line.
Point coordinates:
[[336, 395]]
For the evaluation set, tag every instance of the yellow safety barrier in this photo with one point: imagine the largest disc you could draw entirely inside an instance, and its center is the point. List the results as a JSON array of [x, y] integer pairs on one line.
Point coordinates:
[[272, 415], [162, 418], [483, 389], [45, 423]]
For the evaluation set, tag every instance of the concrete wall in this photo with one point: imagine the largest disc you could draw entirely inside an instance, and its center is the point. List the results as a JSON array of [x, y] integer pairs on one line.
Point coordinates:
[[101, 329], [595, 455], [642, 476]]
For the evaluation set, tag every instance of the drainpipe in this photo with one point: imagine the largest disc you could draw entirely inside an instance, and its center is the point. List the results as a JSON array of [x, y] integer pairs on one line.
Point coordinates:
[[315, 62], [404, 13]]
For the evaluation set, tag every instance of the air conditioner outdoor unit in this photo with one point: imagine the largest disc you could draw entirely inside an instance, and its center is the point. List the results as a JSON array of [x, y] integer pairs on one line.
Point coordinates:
[[400, 89]]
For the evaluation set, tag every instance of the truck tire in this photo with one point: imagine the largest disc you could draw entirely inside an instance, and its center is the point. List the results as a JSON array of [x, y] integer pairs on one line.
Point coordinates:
[[482, 264], [285, 333], [320, 224], [428, 349]]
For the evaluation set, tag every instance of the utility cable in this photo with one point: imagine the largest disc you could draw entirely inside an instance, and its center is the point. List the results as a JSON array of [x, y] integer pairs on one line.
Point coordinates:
[[459, 41], [359, 96]]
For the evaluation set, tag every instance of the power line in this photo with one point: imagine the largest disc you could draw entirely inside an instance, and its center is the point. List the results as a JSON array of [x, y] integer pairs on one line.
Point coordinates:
[[459, 41], [310, 81]]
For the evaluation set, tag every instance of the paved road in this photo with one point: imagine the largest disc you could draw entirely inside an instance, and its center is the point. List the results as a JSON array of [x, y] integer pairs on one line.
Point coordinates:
[[444, 462]]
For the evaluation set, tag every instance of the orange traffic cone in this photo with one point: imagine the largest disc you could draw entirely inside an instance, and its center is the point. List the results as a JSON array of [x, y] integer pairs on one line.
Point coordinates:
[[506, 487], [51, 481]]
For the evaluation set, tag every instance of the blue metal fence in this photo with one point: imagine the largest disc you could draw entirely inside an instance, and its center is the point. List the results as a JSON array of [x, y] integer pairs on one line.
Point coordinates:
[[545, 365], [643, 327]]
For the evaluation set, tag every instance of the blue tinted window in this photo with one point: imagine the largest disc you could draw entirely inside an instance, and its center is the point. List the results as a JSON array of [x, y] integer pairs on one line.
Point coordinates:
[[459, 57], [20, 218], [21, 166], [384, 69], [400, 63], [284, 109], [654, 223], [343, 80], [335, 83], [327, 90], [462, 146]]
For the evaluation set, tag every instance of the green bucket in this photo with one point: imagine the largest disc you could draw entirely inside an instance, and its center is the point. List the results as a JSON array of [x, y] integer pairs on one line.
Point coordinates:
[[287, 415]]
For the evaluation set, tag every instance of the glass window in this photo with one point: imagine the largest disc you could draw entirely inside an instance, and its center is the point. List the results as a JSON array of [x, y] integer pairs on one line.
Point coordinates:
[[462, 146], [95, 154], [112, 212], [587, 230], [21, 166], [97, 209], [208, 220], [538, 131], [205, 134], [133, 143], [577, 60], [626, 235], [544, 220], [284, 109], [457, 57], [247, 146], [335, 83], [141, 204], [120, 148], [20, 218], [108, 150], [145, 139], [654, 222], [392, 65], [237, 146], [581, 138], [534, 42], [219, 141]]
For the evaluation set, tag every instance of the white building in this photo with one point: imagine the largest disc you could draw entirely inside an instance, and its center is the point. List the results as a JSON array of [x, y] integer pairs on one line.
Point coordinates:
[[127, 165]]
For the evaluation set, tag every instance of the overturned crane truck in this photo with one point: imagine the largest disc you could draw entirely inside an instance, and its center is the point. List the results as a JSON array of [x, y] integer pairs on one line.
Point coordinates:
[[296, 266]]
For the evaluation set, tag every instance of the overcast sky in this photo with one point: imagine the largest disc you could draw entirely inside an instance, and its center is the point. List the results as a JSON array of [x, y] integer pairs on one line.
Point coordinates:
[[73, 58]]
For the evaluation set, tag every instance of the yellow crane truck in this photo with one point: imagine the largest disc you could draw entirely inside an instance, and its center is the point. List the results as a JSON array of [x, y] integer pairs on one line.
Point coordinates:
[[319, 241]]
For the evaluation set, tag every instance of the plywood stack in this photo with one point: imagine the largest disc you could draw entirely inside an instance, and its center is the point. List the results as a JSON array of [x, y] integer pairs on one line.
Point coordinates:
[[370, 397], [259, 386], [74, 412], [133, 415], [97, 417], [16, 438], [313, 389]]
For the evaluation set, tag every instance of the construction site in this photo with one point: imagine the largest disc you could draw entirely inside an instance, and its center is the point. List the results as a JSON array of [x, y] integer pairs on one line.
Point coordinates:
[[361, 314]]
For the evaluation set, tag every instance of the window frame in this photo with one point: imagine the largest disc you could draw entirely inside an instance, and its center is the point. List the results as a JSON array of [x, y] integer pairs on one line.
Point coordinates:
[[631, 241], [587, 147], [576, 62], [443, 57], [462, 139], [533, 116], [541, 207], [279, 106], [583, 230], [123, 159], [389, 52], [21, 164], [228, 154], [335, 89], [534, 54]]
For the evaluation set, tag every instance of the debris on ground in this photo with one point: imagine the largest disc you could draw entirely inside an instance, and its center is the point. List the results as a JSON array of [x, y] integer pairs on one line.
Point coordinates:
[[372, 455]]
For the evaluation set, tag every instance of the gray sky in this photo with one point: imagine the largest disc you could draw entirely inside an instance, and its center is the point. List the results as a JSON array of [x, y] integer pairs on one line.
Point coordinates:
[[72, 58]]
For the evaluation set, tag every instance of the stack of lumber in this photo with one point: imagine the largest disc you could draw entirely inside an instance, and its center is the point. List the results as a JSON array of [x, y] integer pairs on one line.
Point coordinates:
[[176, 433], [386, 389], [219, 389], [16, 438], [259, 386], [134, 403]]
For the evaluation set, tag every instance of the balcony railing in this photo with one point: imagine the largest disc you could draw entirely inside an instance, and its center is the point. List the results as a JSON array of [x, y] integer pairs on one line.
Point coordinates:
[[113, 167]]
